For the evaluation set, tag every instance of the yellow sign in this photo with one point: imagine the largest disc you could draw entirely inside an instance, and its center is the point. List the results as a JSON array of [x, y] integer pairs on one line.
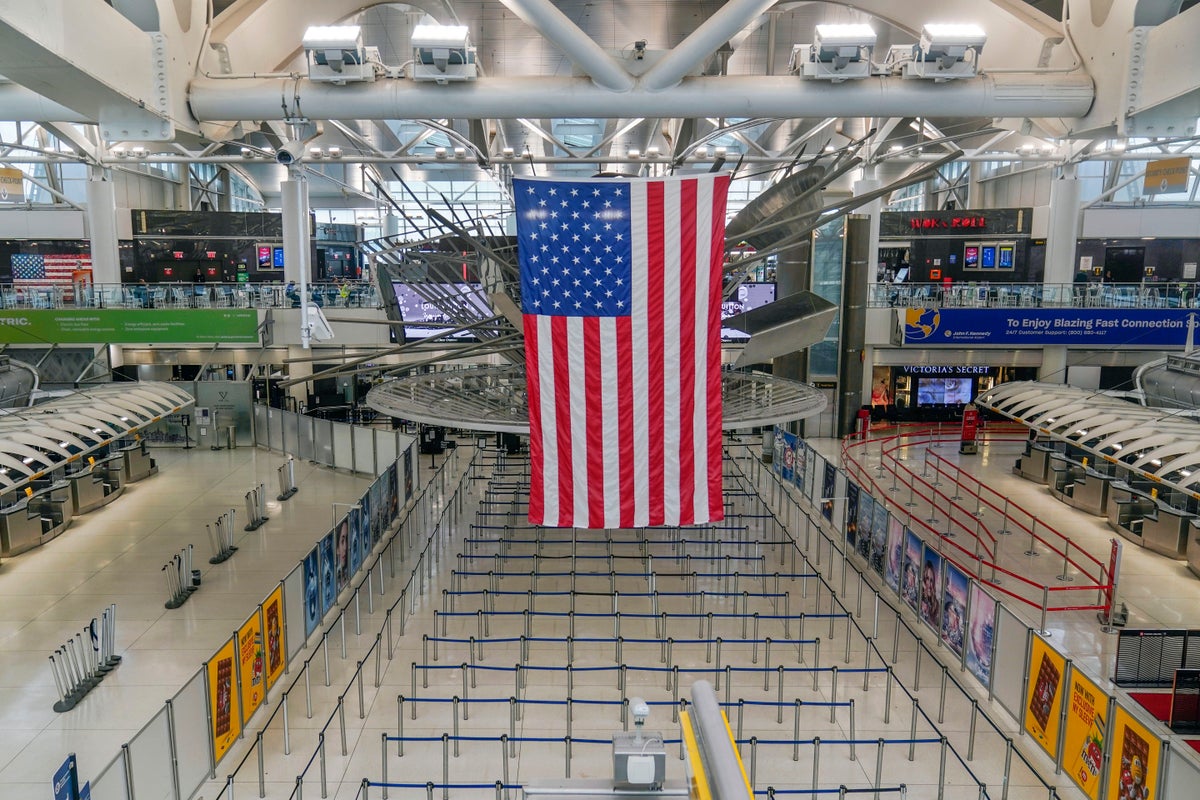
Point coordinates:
[[272, 611], [1166, 176], [250, 664], [1047, 671], [1083, 741], [12, 185], [223, 701], [1133, 769]]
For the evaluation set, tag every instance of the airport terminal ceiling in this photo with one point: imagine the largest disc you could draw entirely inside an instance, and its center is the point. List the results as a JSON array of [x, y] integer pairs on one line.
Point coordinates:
[[577, 87]]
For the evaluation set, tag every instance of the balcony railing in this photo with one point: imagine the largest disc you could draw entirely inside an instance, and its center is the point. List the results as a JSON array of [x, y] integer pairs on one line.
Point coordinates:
[[1033, 295], [182, 295]]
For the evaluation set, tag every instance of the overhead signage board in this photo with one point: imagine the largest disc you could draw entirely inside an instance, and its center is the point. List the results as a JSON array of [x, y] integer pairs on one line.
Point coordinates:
[[129, 326], [1094, 327], [12, 185], [1166, 176]]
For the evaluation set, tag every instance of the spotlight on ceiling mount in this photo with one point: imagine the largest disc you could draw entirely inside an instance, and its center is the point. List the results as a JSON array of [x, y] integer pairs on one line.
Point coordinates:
[[335, 54], [442, 53], [838, 53], [942, 52]]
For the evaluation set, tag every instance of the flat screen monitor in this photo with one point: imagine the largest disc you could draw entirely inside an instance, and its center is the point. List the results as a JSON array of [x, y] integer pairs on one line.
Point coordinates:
[[277, 257], [748, 296], [414, 307], [1006, 256], [971, 256], [951, 391], [987, 256], [264, 256]]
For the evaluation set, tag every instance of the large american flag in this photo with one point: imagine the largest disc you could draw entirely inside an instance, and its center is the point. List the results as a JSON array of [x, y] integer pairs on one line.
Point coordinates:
[[47, 269], [621, 295]]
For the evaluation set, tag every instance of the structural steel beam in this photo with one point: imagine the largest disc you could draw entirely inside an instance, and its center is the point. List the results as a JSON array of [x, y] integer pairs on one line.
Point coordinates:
[[581, 49], [702, 43]]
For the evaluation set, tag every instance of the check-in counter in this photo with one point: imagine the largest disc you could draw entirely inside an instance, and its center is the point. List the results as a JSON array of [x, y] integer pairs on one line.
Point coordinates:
[[1149, 521], [1078, 485], [1193, 550], [1128, 509], [1034, 463], [35, 519], [1167, 533], [136, 461], [95, 485]]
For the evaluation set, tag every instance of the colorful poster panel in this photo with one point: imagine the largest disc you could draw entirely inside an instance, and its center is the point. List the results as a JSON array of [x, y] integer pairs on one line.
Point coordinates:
[[931, 589], [222, 701], [777, 453], [312, 590], [954, 609], [879, 534], [810, 471], [852, 515], [273, 623], [1047, 672], [251, 663], [910, 584], [341, 553], [360, 544], [1133, 769], [328, 579], [981, 633], [788, 473], [895, 553], [866, 508], [391, 496], [801, 464], [408, 475], [829, 479], [1083, 740]]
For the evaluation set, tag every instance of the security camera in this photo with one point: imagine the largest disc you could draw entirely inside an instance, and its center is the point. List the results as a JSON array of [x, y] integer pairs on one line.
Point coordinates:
[[290, 153], [640, 710]]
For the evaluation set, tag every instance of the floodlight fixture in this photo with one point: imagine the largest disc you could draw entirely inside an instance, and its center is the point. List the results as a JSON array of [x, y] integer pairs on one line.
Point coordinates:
[[439, 152], [946, 51], [442, 53], [508, 152], [335, 54], [334, 151], [460, 152], [839, 52]]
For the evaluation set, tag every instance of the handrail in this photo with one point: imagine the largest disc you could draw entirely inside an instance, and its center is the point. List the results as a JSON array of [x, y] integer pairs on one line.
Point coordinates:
[[997, 294], [35, 295]]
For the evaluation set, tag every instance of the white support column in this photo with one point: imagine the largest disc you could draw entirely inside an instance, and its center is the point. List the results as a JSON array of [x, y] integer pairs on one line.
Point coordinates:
[[869, 183], [1062, 227], [297, 242], [102, 226]]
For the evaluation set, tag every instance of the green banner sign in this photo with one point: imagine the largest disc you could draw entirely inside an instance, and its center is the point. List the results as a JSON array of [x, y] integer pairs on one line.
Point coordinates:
[[129, 326]]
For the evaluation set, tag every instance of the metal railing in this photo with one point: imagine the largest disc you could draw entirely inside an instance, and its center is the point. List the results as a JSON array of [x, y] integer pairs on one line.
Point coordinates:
[[30, 295], [983, 294]]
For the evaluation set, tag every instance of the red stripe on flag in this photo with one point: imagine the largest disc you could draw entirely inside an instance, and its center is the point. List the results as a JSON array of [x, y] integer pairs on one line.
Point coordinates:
[[537, 489], [655, 297], [594, 397], [563, 391], [716, 504], [687, 351], [625, 407]]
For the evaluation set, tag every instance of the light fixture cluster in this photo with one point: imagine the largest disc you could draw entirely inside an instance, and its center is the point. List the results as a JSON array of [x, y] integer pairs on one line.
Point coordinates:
[[842, 52], [443, 54], [335, 54], [139, 152]]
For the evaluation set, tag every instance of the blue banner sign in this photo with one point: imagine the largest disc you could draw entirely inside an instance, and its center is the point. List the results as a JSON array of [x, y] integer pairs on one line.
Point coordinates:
[[1092, 327], [66, 782]]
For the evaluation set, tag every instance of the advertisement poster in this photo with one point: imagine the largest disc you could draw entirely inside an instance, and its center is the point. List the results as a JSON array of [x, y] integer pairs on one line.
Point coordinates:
[[312, 591], [130, 326], [273, 622], [852, 515], [1093, 327], [222, 701], [328, 579], [879, 533], [377, 511], [1133, 770], [360, 535], [895, 553], [408, 474], [788, 473], [391, 496], [866, 508], [910, 585], [810, 471], [251, 662], [931, 589], [1083, 740], [981, 633], [777, 451], [954, 609], [1046, 674], [801, 465], [341, 552], [827, 484]]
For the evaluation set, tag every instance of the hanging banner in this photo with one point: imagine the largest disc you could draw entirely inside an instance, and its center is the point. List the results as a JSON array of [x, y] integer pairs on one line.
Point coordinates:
[[1133, 768], [125, 326], [222, 701], [1102, 327], [12, 185], [251, 660], [273, 622], [1083, 740], [1047, 670]]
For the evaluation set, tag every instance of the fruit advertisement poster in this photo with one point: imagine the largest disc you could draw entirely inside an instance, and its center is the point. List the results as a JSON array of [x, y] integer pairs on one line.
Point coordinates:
[[1083, 740]]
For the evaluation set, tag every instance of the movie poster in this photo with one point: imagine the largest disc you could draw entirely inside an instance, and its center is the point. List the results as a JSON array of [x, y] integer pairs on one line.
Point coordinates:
[[866, 506], [223, 701], [910, 585], [342, 553], [1046, 675], [852, 515], [895, 553], [931, 589], [312, 591], [801, 465], [1083, 739], [251, 664], [788, 473], [391, 496], [363, 540], [328, 579], [827, 490], [879, 533], [1133, 769], [273, 623], [981, 633], [408, 474], [954, 609], [777, 451]]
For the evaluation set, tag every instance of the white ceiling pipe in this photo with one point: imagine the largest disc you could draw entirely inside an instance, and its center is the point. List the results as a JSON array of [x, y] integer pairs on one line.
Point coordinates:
[[1008, 95], [555, 26], [18, 104], [702, 43]]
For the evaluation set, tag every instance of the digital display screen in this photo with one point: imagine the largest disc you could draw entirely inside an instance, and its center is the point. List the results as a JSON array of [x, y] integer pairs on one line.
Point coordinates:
[[414, 307], [987, 256], [748, 296], [1006, 257], [264, 255], [277, 257], [971, 256], [951, 391]]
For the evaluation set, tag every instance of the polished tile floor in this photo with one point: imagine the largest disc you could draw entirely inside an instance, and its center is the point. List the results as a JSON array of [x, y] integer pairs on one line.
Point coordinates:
[[115, 555]]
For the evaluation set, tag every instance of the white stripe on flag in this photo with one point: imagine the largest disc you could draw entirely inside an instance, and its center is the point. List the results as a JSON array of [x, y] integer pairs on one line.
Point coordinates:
[[576, 365], [609, 383], [639, 334], [546, 390], [671, 334], [704, 201]]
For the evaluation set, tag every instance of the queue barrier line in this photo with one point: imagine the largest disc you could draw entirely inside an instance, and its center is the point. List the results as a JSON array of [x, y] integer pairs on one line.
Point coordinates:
[[638, 615], [570, 592], [638, 668], [609, 640], [614, 574], [619, 703]]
